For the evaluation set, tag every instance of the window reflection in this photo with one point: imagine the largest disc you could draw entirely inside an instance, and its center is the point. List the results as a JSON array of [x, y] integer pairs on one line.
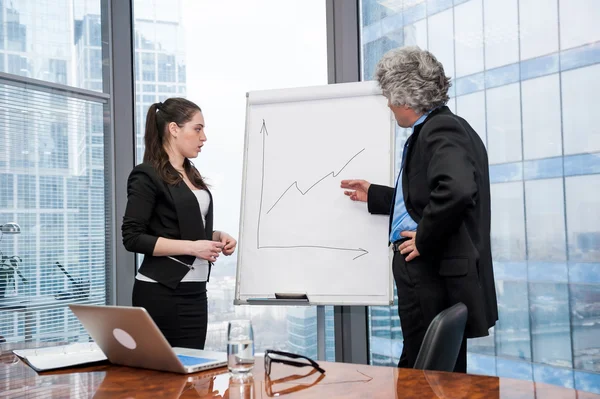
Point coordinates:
[[532, 102]]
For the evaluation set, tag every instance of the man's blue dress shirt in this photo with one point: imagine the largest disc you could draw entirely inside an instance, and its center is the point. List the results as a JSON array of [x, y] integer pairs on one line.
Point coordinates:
[[402, 220]]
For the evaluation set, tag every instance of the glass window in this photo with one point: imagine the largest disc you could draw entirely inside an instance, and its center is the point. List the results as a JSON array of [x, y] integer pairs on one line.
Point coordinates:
[[550, 324], [441, 43], [169, 37], [149, 98], [26, 247], [278, 61], [374, 10], [57, 69], [504, 124], [167, 89], [416, 34], [181, 73], [376, 49], [95, 64], [51, 278], [578, 22], [584, 249], [513, 337], [169, 12], [166, 68], [579, 123], [95, 31], [508, 222], [545, 210], [26, 191], [501, 32], [2, 25], [539, 18], [545, 234], [483, 345], [468, 27], [7, 191], [18, 65], [472, 108], [583, 214], [54, 146], [16, 32], [52, 44], [145, 32], [542, 136], [52, 196], [137, 75], [148, 67], [51, 192], [585, 310]]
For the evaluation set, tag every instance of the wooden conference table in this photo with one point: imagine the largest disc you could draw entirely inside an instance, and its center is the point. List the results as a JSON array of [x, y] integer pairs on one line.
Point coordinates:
[[341, 380]]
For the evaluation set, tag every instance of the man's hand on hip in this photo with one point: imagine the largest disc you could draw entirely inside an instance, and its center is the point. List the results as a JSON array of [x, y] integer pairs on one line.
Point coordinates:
[[409, 247]]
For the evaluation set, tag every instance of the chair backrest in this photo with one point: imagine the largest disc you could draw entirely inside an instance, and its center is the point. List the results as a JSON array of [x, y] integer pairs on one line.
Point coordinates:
[[443, 339]]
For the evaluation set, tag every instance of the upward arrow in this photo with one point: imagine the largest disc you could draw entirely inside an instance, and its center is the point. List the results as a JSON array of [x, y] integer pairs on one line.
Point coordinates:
[[263, 129], [265, 133]]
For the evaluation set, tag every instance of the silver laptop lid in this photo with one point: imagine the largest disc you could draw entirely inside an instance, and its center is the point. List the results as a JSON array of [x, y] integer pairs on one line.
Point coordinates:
[[128, 336]]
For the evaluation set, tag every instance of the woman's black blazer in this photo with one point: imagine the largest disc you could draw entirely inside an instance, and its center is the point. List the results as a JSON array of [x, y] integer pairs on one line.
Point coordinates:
[[157, 209]]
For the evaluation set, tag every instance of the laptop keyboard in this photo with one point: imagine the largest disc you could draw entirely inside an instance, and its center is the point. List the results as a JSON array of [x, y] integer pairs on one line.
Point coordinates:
[[193, 361]]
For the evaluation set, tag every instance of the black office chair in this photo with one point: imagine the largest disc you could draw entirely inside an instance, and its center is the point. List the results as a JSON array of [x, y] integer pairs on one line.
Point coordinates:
[[443, 339]]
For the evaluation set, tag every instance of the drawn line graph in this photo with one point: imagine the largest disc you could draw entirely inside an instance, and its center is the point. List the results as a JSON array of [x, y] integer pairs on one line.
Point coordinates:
[[264, 132], [295, 184]]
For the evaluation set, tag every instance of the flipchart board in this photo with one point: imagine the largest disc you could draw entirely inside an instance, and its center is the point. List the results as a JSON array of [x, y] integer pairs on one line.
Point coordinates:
[[300, 236]]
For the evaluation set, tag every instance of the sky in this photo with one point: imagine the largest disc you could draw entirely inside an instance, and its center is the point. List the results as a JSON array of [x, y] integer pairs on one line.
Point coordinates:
[[233, 47]]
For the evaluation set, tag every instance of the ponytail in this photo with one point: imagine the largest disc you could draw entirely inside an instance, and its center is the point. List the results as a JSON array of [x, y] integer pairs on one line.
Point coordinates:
[[152, 138]]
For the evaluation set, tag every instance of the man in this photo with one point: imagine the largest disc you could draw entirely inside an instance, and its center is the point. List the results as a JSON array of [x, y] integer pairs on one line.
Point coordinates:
[[440, 208]]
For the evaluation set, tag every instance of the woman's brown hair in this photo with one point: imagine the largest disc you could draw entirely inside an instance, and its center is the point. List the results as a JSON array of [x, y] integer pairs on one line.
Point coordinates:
[[179, 111]]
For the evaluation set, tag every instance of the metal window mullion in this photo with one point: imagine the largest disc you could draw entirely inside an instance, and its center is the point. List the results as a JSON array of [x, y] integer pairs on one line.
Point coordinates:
[[343, 59]]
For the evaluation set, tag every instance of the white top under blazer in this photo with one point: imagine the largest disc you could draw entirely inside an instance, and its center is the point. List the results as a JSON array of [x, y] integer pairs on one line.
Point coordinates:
[[199, 271]]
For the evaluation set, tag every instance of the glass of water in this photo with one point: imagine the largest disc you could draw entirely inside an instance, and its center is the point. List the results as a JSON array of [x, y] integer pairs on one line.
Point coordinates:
[[240, 346]]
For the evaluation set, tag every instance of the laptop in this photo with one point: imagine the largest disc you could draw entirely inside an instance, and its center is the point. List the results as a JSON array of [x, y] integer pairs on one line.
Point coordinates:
[[128, 336]]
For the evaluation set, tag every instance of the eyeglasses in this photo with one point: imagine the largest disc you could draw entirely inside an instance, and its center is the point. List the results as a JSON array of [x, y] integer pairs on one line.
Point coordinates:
[[276, 356]]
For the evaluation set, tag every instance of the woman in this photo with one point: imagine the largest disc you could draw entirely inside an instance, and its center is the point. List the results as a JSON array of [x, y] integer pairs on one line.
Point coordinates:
[[169, 219]]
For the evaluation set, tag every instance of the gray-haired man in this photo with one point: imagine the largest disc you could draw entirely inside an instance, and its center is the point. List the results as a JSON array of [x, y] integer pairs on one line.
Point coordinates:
[[440, 208]]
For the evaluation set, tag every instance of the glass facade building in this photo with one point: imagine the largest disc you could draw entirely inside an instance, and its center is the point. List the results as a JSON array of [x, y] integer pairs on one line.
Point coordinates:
[[52, 166], [160, 65], [524, 75]]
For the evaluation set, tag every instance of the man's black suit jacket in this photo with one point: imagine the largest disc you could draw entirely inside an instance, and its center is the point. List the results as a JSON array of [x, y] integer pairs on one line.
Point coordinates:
[[446, 187], [157, 209]]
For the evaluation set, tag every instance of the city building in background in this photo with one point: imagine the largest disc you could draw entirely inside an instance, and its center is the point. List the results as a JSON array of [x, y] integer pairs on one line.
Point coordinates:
[[52, 167], [524, 75], [160, 65]]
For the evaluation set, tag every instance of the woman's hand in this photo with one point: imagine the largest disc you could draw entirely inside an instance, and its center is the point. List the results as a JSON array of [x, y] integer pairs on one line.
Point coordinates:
[[229, 243], [206, 249]]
